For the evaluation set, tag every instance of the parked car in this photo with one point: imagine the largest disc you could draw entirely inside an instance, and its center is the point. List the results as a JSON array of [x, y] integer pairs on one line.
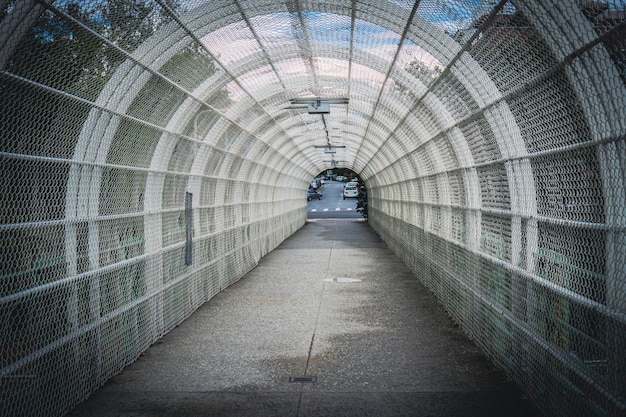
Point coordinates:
[[350, 191], [313, 195]]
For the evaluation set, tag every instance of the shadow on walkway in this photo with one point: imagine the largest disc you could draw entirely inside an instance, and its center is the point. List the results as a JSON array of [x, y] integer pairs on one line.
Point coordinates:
[[333, 310]]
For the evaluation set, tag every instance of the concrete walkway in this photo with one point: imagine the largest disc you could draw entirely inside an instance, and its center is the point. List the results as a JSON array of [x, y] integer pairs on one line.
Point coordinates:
[[333, 310]]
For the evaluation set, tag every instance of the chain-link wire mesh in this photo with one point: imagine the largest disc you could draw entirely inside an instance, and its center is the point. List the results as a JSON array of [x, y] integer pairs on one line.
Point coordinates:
[[149, 161], [515, 235]]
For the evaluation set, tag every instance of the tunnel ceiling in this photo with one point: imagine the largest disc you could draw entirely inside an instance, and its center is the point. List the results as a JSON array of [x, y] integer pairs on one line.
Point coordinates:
[[374, 60], [401, 76], [380, 57], [383, 58]]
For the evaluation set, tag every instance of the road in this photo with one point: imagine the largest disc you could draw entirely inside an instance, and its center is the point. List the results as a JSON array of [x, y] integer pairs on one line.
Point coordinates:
[[332, 206]]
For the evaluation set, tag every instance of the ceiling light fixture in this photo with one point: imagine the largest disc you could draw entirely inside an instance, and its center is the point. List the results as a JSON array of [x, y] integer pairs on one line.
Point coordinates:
[[317, 105], [329, 148]]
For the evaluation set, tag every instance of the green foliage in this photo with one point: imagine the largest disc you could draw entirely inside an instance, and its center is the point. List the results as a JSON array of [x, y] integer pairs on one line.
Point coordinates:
[[422, 71], [60, 52], [127, 23]]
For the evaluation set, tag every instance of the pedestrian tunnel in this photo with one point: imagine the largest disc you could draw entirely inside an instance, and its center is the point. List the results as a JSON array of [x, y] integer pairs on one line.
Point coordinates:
[[153, 151]]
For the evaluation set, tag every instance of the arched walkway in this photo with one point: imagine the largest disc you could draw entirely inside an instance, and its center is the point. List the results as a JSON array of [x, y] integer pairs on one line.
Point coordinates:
[[152, 152], [346, 330]]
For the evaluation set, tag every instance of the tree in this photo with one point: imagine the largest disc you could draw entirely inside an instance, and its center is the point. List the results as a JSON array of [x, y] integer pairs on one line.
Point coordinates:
[[361, 201], [422, 71]]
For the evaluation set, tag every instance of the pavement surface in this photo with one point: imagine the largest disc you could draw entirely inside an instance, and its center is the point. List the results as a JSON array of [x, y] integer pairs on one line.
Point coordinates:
[[333, 205], [330, 323]]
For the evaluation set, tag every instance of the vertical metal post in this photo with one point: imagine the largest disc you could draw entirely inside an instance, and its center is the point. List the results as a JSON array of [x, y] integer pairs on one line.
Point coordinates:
[[188, 229]]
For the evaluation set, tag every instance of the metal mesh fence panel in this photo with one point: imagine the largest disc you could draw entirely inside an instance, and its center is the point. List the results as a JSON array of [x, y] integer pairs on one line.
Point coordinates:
[[520, 243], [149, 161], [99, 146]]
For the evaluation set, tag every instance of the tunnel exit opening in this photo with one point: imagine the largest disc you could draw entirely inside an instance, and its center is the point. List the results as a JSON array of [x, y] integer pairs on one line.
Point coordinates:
[[337, 193]]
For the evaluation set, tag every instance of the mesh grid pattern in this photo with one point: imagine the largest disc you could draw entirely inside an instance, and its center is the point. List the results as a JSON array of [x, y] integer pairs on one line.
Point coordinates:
[[490, 137]]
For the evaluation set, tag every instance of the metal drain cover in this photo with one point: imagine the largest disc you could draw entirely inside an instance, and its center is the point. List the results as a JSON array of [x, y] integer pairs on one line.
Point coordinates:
[[303, 379]]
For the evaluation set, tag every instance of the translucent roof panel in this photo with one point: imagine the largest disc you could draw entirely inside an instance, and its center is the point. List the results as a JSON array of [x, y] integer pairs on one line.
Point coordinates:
[[455, 15], [231, 43], [376, 40], [329, 28], [273, 29], [259, 80]]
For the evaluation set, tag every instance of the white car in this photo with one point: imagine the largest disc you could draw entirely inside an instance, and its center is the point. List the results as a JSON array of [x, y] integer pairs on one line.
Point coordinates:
[[350, 191]]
